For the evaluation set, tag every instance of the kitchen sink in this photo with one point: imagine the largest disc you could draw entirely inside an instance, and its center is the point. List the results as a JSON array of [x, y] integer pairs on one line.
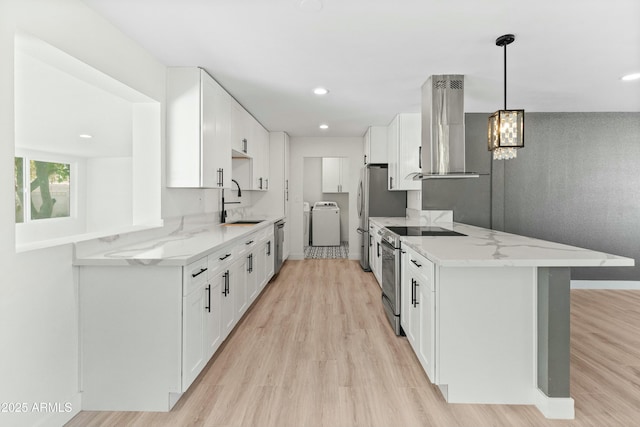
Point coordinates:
[[244, 222]]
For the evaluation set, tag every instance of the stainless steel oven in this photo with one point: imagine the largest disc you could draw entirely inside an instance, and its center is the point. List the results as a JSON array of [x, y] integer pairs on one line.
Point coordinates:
[[391, 279]]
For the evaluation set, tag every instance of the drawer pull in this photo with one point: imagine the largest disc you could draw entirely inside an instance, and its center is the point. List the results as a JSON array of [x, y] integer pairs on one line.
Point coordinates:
[[225, 257], [202, 270], [416, 264], [249, 242]]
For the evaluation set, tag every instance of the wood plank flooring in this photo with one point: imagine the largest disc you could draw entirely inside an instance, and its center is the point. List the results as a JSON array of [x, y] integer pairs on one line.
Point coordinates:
[[316, 350]]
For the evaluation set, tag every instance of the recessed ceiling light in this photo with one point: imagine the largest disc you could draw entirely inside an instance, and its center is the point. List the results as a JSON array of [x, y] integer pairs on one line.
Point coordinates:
[[85, 136], [320, 91], [324, 126], [310, 5], [629, 77]]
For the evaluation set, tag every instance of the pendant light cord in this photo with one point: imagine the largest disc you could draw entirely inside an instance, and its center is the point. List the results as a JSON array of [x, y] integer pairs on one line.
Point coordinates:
[[505, 76]]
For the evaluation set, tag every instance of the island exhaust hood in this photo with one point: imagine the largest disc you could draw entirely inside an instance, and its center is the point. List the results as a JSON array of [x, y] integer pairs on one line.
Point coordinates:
[[443, 150]]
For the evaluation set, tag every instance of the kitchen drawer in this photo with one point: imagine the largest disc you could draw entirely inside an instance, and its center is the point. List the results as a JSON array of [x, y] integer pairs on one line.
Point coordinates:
[[420, 267], [220, 259], [246, 245], [195, 275]]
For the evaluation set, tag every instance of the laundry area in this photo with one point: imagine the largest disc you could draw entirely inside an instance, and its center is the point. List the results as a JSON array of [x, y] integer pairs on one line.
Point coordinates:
[[325, 209]]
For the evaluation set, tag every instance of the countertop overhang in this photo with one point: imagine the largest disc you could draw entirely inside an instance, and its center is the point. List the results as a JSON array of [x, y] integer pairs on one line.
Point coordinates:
[[483, 247]]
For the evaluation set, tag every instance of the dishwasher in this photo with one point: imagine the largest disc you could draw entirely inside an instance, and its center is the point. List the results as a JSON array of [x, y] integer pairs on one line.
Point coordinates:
[[278, 233]]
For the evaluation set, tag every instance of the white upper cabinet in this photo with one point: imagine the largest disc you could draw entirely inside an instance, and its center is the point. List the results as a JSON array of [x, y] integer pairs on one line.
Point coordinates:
[[260, 156], [335, 175], [403, 151], [375, 145], [198, 130], [240, 129], [250, 145]]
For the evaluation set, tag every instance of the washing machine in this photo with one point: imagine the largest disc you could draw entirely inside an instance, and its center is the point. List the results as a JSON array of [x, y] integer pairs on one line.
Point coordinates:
[[306, 209], [325, 224]]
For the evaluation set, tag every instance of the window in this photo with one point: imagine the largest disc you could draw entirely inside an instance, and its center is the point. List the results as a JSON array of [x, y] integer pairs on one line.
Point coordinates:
[[43, 189]]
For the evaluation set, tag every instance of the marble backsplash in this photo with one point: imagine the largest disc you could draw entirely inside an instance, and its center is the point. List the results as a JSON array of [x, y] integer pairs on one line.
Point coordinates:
[[431, 216]]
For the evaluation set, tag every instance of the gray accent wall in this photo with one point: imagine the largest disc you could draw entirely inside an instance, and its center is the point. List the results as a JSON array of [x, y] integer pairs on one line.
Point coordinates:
[[577, 181]]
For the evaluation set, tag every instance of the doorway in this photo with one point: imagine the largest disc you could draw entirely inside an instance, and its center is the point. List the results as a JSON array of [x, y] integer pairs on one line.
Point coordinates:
[[325, 180]]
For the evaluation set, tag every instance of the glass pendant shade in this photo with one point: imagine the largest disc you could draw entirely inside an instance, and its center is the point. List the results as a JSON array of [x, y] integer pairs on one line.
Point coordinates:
[[506, 133]]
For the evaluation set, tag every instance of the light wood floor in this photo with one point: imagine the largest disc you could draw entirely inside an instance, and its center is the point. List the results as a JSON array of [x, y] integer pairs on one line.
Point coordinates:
[[316, 350]]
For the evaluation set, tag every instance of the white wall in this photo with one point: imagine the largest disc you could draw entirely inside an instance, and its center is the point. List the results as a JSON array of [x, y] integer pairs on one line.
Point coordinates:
[[38, 290], [301, 147]]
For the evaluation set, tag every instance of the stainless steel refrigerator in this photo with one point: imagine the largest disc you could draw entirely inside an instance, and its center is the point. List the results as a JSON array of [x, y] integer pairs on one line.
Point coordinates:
[[374, 200]]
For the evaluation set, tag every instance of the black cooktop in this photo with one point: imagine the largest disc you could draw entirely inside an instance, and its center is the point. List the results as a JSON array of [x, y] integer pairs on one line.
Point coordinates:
[[423, 231]]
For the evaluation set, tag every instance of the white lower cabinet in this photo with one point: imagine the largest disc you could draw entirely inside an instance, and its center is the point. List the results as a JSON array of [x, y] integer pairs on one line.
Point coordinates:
[[375, 252], [265, 260], [417, 311], [146, 332]]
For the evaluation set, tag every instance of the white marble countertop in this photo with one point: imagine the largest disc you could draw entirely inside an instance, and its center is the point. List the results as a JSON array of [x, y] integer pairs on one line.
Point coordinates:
[[483, 247], [178, 248]]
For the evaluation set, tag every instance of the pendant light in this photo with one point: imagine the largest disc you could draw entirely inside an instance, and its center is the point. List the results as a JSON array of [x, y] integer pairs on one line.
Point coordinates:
[[506, 127]]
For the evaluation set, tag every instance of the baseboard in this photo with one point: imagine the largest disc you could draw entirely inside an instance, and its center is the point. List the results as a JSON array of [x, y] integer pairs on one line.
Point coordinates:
[[558, 408], [60, 416], [605, 284]]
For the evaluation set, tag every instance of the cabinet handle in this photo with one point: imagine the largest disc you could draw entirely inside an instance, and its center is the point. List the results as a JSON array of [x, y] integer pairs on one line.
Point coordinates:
[[378, 249], [244, 145], [249, 264], [249, 242], [365, 159], [224, 287], [269, 247], [221, 177], [225, 257], [390, 182], [415, 263], [420, 157], [286, 189], [413, 291], [415, 298], [370, 244], [202, 270], [260, 185], [266, 183], [208, 307]]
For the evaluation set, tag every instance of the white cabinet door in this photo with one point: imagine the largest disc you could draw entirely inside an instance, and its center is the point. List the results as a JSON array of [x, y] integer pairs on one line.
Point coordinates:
[[335, 175], [426, 340], [213, 317], [403, 151], [375, 258], [260, 155], [253, 276], [227, 303], [216, 134], [238, 286], [198, 130], [264, 262], [409, 150], [194, 356], [375, 145], [331, 174], [240, 129], [418, 308]]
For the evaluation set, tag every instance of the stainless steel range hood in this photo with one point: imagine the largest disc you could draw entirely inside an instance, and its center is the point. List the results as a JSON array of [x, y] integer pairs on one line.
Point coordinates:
[[443, 150]]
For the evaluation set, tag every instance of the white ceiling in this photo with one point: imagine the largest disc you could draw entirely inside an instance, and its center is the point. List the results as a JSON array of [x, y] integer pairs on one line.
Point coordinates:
[[373, 55]]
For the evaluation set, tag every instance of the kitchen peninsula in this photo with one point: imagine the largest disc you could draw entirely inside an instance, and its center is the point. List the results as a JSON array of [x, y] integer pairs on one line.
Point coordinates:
[[491, 322]]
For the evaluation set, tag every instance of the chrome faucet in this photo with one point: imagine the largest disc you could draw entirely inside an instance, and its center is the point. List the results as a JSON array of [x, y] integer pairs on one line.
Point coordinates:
[[223, 214]]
